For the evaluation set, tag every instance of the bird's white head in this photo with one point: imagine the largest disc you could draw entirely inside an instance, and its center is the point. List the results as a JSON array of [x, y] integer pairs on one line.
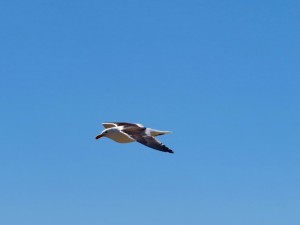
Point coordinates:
[[107, 132]]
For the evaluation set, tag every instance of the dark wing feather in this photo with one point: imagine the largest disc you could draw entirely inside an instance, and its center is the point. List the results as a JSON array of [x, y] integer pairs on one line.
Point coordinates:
[[152, 143], [126, 124]]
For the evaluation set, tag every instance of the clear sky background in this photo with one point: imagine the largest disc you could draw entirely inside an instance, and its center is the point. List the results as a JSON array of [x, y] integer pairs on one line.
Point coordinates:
[[222, 75]]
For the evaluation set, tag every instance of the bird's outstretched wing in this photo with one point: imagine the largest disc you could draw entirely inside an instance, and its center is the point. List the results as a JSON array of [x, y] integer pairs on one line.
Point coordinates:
[[116, 124], [152, 143]]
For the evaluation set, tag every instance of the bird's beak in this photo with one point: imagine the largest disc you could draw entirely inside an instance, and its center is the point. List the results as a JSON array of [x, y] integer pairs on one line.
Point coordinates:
[[99, 136]]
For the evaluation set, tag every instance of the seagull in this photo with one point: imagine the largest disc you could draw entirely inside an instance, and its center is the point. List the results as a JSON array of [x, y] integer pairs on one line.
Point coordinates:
[[129, 132]]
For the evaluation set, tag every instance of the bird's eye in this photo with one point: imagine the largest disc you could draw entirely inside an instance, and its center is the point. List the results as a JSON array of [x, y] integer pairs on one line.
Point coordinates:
[[105, 132]]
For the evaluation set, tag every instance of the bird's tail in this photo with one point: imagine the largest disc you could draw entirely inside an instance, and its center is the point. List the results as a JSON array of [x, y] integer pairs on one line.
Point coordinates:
[[158, 132]]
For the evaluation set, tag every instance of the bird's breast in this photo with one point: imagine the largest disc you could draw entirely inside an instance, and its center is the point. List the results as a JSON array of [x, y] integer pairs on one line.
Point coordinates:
[[121, 138]]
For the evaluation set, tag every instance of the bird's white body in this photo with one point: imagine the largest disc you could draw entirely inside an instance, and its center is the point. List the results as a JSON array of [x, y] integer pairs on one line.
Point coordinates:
[[116, 134]]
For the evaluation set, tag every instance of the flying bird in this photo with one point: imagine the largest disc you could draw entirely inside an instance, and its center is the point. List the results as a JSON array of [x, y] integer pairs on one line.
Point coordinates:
[[129, 132]]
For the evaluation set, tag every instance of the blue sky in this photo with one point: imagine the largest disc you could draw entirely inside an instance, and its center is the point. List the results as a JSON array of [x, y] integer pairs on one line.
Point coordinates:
[[222, 75]]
